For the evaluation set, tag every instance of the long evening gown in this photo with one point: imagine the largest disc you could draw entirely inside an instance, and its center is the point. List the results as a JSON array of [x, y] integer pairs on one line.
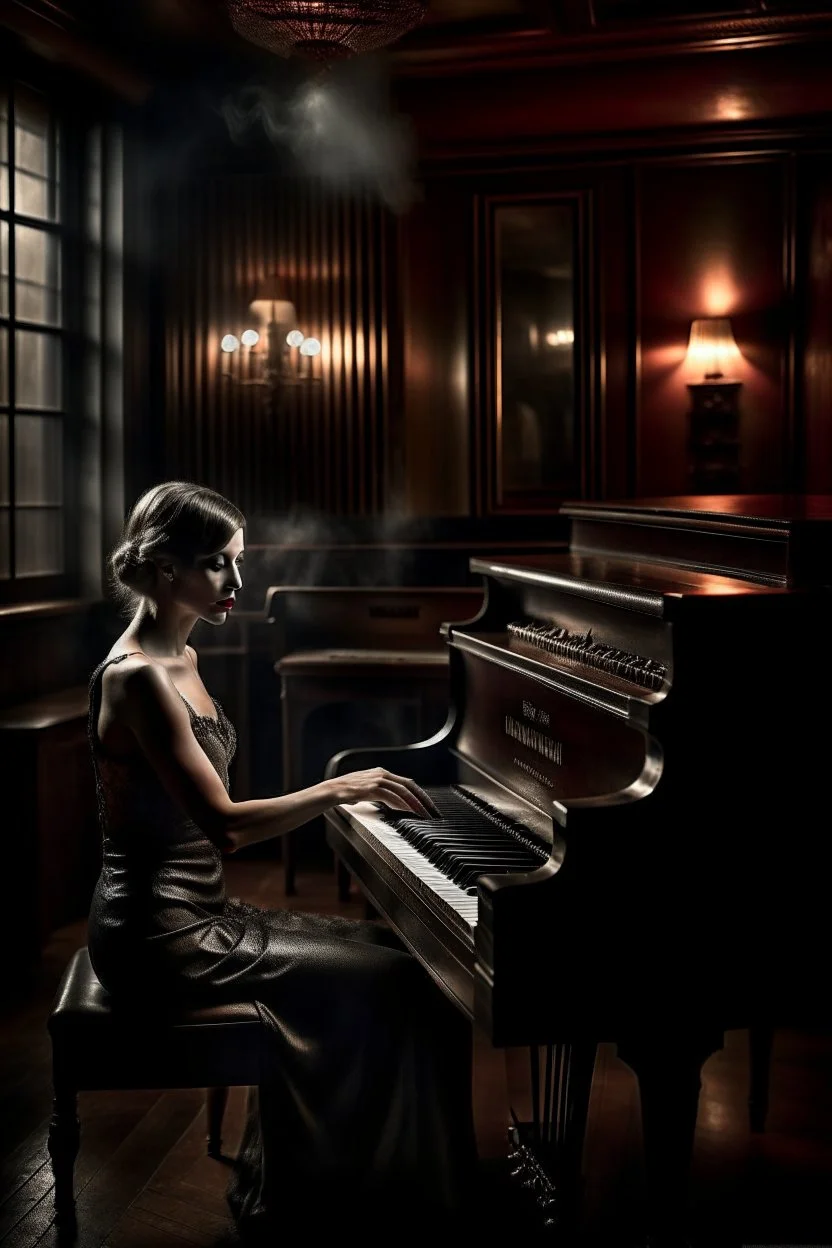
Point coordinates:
[[368, 1094]]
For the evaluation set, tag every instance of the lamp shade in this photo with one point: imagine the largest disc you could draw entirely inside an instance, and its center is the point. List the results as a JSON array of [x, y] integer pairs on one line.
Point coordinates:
[[267, 309], [711, 346]]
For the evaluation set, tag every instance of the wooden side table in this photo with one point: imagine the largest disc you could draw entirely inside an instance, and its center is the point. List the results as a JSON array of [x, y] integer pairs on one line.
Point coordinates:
[[314, 679], [52, 846], [714, 441]]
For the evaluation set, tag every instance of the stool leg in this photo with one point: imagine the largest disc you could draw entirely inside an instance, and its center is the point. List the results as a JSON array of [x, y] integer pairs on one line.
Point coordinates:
[[63, 1142], [215, 1108]]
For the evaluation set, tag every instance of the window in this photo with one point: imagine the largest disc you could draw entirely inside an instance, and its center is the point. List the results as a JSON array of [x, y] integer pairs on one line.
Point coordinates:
[[32, 416], [60, 335]]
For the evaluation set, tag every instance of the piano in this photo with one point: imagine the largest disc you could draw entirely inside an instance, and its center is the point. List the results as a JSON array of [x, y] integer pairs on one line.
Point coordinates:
[[371, 646], [630, 848]]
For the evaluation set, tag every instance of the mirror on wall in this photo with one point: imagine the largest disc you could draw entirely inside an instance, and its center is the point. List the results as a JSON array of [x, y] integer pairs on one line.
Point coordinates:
[[536, 444]]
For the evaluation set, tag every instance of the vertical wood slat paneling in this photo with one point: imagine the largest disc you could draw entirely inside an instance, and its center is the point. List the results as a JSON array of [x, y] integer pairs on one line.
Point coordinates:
[[327, 253], [319, 447]]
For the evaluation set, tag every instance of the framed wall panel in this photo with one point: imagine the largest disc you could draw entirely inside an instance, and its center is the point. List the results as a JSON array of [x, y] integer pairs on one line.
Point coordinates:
[[535, 350]]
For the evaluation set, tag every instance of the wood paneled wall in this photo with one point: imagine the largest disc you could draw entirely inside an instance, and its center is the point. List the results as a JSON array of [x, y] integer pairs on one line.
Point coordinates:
[[706, 168], [715, 239], [706, 176], [317, 445]]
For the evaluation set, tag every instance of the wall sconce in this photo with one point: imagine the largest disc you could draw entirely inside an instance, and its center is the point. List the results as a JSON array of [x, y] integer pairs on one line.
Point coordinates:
[[273, 355], [714, 443]]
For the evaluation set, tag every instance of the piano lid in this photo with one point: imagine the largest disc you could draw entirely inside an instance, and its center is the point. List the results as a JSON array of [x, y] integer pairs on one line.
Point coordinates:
[[650, 586], [774, 539]]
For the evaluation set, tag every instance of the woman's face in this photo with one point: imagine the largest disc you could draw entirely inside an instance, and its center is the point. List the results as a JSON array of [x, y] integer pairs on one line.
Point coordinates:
[[209, 588]]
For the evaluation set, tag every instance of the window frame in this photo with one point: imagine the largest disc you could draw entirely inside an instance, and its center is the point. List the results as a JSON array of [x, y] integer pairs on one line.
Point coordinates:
[[84, 123]]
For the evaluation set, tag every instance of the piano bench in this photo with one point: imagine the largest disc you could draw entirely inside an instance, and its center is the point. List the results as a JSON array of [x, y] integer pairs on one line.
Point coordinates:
[[98, 1045]]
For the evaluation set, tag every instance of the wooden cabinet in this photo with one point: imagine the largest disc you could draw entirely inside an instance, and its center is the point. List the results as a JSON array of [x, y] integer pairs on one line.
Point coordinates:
[[51, 839]]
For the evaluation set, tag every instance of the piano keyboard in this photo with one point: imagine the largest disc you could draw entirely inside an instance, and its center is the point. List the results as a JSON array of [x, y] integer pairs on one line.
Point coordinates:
[[445, 856]]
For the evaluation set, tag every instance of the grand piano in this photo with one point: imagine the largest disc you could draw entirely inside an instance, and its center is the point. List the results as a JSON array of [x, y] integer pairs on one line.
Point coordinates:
[[631, 836]]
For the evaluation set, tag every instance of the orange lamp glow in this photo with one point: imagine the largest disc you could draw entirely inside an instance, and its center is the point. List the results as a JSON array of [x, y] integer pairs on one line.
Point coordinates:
[[712, 347]]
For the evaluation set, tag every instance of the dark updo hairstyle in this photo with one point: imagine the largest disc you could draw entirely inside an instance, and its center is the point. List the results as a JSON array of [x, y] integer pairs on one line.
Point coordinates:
[[174, 518]]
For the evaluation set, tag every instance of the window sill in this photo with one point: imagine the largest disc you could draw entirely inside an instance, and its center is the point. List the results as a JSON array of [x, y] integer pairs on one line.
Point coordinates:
[[55, 606]]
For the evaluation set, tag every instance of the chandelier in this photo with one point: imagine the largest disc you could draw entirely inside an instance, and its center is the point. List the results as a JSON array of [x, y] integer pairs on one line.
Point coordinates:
[[324, 30]]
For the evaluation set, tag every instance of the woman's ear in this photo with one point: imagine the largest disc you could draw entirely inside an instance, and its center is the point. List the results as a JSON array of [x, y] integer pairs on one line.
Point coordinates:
[[166, 568]]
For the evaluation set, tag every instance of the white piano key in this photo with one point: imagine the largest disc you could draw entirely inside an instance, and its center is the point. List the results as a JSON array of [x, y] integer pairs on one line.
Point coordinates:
[[365, 817]]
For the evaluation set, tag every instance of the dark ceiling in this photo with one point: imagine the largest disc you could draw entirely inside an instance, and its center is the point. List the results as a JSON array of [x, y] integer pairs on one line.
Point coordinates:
[[174, 41], [163, 32]]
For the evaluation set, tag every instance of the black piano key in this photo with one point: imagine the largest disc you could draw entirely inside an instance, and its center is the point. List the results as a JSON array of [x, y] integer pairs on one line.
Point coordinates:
[[469, 838]]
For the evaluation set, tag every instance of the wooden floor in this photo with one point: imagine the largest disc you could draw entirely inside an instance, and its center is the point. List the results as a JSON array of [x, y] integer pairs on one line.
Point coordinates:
[[144, 1181]]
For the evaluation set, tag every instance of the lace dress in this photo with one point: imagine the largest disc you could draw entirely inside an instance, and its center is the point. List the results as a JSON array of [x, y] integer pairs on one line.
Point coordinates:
[[368, 1090]]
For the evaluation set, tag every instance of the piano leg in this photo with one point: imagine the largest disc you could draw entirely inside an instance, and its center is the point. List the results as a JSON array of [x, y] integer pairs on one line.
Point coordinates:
[[669, 1078]]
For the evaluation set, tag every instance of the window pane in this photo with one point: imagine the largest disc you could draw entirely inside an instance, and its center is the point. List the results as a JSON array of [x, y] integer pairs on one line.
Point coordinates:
[[37, 275], [5, 563], [38, 365], [38, 459], [31, 196], [4, 268], [4, 459], [4, 151], [33, 155], [4, 367], [38, 541]]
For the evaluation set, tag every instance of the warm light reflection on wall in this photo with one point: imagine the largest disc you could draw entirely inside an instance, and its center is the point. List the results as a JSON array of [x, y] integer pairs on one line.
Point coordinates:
[[336, 351], [459, 373], [719, 293], [733, 106]]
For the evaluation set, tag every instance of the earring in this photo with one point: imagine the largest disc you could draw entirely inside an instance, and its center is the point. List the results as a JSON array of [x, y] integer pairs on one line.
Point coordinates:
[[168, 574]]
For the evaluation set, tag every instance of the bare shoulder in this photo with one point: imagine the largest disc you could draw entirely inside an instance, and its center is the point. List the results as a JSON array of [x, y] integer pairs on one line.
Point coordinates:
[[138, 684], [189, 650]]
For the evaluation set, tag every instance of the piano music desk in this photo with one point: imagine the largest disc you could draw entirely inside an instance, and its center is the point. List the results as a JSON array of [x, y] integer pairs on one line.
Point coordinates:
[[311, 679], [363, 645]]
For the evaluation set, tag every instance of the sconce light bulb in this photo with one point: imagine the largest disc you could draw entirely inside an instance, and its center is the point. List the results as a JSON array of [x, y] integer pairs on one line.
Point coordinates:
[[250, 338], [294, 337], [310, 346], [230, 342], [560, 337]]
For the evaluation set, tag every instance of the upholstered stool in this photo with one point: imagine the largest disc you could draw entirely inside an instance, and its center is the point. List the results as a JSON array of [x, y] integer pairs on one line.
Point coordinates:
[[97, 1045]]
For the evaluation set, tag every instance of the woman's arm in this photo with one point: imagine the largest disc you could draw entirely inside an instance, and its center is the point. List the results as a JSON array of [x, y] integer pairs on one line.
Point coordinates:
[[149, 705]]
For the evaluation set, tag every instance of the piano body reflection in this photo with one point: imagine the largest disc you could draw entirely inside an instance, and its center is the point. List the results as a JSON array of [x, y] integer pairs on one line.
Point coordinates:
[[628, 779]]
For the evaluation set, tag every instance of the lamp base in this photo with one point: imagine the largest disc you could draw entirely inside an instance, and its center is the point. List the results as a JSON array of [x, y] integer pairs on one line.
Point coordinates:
[[713, 442]]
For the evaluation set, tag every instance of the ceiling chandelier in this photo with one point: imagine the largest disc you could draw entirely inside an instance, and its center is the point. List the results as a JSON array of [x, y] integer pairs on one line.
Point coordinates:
[[324, 30]]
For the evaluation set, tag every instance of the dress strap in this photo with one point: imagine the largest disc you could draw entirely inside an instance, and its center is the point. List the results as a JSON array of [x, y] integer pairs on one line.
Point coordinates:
[[117, 658]]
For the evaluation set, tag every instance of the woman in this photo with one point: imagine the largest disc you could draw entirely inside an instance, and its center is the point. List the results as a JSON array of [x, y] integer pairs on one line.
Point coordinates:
[[368, 1090]]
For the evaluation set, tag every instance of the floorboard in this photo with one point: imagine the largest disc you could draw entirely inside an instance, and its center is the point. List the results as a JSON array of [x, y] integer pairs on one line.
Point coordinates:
[[144, 1180]]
